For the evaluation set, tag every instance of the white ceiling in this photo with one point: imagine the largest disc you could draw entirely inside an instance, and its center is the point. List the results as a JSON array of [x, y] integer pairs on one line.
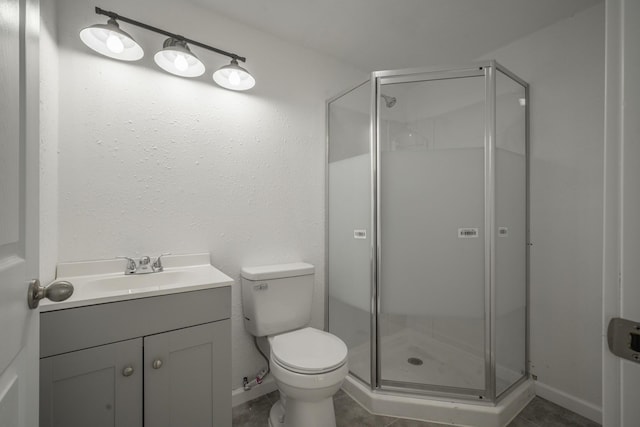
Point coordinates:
[[388, 34]]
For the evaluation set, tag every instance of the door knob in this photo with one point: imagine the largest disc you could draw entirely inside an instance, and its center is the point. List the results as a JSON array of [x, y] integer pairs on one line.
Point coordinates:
[[57, 291], [127, 371], [157, 364], [623, 337]]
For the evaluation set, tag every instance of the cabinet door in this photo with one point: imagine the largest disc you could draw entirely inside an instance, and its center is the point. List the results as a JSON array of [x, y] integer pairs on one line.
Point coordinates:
[[187, 377], [93, 387]]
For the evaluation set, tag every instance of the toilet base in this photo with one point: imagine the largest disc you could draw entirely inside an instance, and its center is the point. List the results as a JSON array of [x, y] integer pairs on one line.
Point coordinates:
[[276, 415], [303, 414]]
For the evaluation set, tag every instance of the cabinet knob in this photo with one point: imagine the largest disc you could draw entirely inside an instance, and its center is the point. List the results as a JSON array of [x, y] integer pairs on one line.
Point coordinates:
[[157, 364], [127, 371]]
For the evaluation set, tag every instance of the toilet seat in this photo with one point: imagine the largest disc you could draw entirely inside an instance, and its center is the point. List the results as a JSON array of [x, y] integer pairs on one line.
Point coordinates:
[[308, 351]]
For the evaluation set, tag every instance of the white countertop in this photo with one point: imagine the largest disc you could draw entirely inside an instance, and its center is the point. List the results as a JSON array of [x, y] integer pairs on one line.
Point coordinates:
[[104, 281]]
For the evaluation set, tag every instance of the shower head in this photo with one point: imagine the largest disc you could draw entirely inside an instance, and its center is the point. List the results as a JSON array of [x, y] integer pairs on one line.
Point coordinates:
[[389, 100]]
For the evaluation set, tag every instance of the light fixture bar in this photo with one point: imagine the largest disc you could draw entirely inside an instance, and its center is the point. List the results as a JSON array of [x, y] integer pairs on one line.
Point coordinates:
[[114, 15]]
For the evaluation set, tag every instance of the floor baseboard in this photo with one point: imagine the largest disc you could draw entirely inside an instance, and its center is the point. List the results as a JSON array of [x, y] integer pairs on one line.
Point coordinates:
[[575, 404]]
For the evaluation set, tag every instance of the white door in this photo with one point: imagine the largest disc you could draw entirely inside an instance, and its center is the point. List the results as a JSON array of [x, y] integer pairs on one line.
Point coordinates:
[[621, 378], [19, 28]]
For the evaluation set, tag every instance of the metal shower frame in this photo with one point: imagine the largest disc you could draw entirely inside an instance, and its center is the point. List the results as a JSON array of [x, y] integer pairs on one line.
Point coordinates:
[[487, 70]]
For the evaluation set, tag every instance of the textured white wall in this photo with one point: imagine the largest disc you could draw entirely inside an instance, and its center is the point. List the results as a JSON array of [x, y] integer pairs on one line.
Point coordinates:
[[153, 163], [564, 64]]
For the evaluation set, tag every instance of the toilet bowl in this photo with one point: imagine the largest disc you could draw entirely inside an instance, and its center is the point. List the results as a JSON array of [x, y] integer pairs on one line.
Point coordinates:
[[307, 364], [309, 367]]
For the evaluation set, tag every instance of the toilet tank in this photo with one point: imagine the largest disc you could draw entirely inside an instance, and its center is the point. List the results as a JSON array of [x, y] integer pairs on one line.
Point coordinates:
[[276, 298]]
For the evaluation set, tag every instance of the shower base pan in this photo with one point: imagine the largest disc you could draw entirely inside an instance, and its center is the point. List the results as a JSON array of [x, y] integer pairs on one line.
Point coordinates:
[[441, 410]]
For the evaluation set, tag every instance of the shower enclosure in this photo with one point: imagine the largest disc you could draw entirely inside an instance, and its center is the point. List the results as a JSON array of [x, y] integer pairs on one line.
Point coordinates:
[[427, 230]]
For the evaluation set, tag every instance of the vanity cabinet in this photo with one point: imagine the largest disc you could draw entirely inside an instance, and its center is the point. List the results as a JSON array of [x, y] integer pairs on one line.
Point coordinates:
[[183, 373], [90, 388], [162, 361]]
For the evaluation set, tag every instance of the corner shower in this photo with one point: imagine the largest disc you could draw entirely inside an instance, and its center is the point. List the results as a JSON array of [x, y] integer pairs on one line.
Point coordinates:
[[427, 231]]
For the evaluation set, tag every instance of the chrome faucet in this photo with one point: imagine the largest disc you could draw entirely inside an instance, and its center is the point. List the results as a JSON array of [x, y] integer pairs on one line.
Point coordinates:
[[157, 264], [131, 265], [144, 265]]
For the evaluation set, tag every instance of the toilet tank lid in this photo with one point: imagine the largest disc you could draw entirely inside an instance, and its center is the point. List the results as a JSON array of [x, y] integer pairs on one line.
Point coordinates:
[[278, 271]]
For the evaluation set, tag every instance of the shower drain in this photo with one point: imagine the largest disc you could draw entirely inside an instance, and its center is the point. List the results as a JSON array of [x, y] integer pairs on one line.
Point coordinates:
[[415, 361]]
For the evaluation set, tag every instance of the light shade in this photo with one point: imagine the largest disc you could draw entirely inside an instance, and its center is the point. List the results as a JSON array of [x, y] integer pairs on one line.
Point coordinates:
[[234, 77], [176, 58], [109, 40]]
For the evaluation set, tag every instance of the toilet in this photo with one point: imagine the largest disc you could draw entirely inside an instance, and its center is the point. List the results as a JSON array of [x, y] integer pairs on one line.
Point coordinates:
[[307, 364]]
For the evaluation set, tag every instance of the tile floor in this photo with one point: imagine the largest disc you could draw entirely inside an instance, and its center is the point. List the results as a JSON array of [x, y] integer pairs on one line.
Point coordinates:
[[539, 413]]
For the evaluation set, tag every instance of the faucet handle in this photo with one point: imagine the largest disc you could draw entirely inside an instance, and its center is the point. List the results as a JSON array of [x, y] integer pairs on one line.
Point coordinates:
[[131, 264], [157, 264]]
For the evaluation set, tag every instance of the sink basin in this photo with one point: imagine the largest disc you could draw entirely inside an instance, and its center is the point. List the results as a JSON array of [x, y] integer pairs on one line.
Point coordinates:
[[138, 282], [97, 282]]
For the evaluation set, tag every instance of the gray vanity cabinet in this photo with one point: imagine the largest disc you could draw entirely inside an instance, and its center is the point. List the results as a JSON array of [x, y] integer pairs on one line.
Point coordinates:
[[164, 359], [98, 387], [181, 379]]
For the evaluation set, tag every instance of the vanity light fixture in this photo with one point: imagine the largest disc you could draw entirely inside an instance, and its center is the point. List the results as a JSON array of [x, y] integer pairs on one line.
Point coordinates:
[[175, 57], [234, 77], [109, 40]]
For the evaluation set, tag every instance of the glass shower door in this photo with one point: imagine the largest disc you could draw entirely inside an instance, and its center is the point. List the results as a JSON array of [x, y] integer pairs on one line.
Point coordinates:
[[349, 234], [510, 232], [431, 233]]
